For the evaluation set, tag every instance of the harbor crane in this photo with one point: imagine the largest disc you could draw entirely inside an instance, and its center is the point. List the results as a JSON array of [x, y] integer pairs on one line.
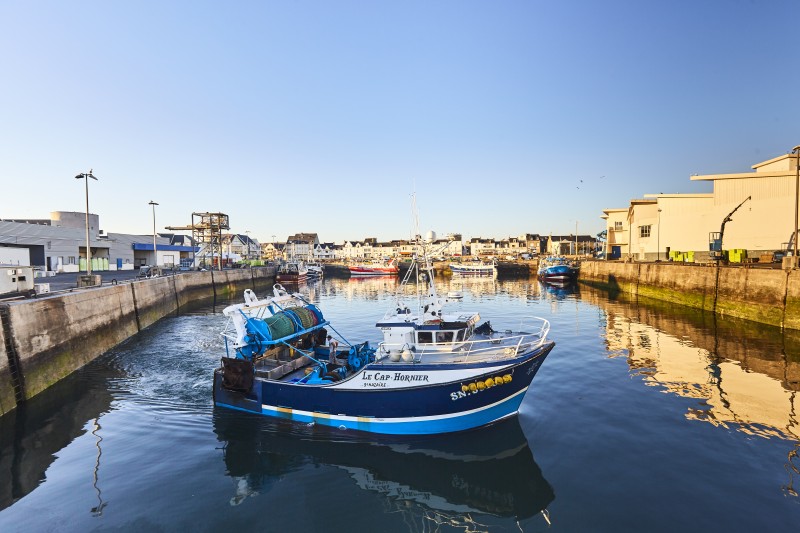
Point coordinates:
[[715, 237]]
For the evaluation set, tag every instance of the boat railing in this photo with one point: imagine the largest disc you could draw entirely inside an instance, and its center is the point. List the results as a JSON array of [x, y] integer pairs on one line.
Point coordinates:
[[498, 345]]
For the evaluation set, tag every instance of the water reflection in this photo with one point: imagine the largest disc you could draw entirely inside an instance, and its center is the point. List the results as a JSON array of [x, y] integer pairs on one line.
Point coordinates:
[[32, 434], [559, 290], [430, 479], [741, 376]]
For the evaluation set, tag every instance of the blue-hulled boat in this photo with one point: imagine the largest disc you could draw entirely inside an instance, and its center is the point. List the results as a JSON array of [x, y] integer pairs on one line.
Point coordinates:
[[558, 269], [434, 372]]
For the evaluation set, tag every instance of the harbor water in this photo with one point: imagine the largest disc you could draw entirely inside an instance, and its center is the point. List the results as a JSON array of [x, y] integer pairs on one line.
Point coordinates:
[[645, 417]]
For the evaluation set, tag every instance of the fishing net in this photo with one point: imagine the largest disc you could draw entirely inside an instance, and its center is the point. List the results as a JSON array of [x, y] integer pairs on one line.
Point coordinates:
[[280, 325], [307, 317]]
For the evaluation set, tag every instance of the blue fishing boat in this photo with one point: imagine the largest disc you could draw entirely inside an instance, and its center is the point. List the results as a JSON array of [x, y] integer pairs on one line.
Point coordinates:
[[558, 269], [434, 372]]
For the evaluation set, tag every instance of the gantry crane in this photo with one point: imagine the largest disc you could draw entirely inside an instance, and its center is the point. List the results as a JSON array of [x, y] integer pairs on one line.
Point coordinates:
[[207, 229]]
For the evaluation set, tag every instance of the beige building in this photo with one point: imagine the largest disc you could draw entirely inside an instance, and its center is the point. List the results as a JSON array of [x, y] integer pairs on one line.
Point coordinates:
[[760, 206]]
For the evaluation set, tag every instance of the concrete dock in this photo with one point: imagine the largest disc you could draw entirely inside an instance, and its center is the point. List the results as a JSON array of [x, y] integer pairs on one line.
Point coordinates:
[[45, 339]]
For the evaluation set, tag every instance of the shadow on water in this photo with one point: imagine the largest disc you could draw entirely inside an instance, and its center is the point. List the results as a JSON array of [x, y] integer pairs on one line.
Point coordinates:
[[32, 434], [433, 479]]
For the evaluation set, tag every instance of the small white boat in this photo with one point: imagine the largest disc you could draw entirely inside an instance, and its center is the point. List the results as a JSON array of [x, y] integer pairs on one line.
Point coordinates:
[[315, 270], [475, 268]]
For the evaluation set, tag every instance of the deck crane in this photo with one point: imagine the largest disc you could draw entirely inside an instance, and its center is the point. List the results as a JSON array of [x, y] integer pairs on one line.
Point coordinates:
[[715, 237]]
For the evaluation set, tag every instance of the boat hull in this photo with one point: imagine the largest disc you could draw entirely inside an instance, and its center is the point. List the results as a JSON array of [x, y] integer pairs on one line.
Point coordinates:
[[291, 277], [559, 273], [394, 398], [364, 271]]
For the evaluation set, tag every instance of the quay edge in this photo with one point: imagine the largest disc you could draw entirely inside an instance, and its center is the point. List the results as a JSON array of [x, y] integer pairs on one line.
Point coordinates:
[[766, 296], [43, 340]]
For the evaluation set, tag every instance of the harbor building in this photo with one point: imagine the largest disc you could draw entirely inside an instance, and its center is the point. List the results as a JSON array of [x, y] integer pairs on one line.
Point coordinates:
[[58, 244], [749, 211]]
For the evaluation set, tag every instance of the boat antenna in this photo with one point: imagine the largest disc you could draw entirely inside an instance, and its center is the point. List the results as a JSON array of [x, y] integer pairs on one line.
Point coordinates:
[[415, 217]]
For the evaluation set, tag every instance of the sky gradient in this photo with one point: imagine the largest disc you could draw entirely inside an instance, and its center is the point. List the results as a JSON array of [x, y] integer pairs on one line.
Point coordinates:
[[505, 117]]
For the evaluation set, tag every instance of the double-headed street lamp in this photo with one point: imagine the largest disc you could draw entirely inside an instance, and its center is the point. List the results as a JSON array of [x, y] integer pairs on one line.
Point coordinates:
[[86, 176], [155, 253]]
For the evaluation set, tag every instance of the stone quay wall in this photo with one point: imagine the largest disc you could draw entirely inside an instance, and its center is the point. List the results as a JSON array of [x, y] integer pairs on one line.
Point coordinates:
[[45, 339], [767, 296]]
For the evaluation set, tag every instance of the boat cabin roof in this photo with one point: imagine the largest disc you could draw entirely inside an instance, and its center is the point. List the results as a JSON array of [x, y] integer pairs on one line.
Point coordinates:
[[448, 321]]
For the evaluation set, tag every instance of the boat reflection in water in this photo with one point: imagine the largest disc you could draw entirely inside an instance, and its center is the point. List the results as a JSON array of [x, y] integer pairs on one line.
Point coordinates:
[[558, 289], [490, 471]]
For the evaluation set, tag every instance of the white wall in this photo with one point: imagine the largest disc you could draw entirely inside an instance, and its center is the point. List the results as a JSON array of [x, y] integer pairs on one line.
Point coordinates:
[[14, 256]]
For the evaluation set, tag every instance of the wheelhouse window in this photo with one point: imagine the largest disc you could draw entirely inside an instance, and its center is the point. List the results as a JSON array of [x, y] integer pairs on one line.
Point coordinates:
[[425, 337], [644, 231], [444, 337]]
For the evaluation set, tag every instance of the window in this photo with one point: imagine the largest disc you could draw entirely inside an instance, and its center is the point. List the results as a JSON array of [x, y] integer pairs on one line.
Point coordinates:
[[618, 226], [425, 337], [72, 260], [444, 336], [644, 231]]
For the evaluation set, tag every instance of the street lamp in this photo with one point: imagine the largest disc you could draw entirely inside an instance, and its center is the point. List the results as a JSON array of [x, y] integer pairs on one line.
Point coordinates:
[[86, 176], [658, 242], [796, 151], [247, 233], [155, 253]]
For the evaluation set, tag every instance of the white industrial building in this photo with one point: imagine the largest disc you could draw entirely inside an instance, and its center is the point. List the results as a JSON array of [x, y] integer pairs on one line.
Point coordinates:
[[758, 209], [58, 244]]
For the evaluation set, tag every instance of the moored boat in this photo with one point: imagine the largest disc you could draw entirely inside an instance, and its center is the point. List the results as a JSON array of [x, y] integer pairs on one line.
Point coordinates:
[[291, 272], [375, 269], [475, 268], [315, 270], [558, 269], [435, 371]]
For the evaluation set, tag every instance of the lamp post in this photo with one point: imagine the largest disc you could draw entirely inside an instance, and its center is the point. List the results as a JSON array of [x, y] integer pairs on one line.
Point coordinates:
[[155, 253], [658, 241], [247, 233], [796, 152], [86, 176]]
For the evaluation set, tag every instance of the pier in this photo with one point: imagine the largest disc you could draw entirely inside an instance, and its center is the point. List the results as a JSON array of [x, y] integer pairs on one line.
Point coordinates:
[[45, 339], [766, 296]]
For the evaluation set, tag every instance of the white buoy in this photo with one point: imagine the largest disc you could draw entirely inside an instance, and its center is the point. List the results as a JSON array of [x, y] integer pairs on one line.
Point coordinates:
[[394, 356], [407, 355]]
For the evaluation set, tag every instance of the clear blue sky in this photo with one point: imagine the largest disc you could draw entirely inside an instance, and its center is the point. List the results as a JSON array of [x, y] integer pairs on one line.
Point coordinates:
[[301, 116]]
